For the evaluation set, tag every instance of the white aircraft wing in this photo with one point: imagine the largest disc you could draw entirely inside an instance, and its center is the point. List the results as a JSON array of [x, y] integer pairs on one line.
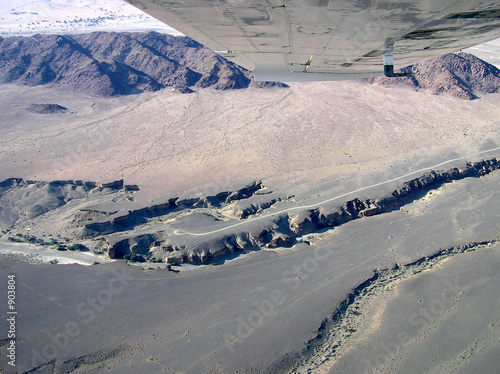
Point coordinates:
[[290, 40]]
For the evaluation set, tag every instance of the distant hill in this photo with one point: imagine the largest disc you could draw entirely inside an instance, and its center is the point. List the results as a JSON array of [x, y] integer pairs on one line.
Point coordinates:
[[117, 63], [459, 74]]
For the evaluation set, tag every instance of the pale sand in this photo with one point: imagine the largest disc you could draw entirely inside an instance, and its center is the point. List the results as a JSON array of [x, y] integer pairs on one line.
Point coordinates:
[[45, 255], [304, 139]]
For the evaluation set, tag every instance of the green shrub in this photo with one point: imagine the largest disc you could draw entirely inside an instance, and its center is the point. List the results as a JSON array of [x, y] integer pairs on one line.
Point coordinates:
[[78, 247], [134, 258]]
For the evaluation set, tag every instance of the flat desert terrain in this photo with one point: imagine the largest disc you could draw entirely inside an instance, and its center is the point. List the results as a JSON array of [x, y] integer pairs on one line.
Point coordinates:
[[299, 138]]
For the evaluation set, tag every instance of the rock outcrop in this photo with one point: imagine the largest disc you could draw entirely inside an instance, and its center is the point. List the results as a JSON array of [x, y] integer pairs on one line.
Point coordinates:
[[134, 218], [23, 200], [81, 213], [288, 227], [460, 75], [46, 108]]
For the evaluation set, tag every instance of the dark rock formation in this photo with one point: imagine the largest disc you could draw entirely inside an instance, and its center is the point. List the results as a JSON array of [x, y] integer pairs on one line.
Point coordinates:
[[71, 206], [46, 108], [107, 64], [285, 230], [133, 218], [457, 74]]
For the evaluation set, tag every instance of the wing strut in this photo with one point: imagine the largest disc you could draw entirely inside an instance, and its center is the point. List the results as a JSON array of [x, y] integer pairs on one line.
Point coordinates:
[[389, 61]]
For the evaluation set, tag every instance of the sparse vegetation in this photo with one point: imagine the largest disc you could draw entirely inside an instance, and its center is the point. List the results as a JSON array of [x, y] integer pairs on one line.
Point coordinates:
[[61, 247], [78, 247], [31, 239], [134, 258], [20, 238]]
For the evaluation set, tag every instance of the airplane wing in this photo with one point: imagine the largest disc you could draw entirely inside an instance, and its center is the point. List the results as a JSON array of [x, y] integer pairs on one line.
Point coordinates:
[[294, 40]]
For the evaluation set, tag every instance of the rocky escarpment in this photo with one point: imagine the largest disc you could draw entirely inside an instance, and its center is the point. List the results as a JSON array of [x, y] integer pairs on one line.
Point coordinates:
[[134, 218], [288, 228], [317, 219], [199, 230], [25, 200], [109, 64], [460, 75], [97, 216], [330, 340]]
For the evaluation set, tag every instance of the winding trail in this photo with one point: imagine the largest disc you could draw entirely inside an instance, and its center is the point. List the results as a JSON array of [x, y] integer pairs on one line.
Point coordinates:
[[300, 207]]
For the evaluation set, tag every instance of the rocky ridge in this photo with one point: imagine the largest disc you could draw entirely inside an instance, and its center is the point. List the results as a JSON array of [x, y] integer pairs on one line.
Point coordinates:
[[288, 228], [108, 64], [96, 216], [334, 331], [134, 218], [46, 108], [89, 215]]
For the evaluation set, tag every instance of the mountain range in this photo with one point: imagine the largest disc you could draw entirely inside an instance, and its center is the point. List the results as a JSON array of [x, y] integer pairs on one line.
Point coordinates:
[[107, 64]]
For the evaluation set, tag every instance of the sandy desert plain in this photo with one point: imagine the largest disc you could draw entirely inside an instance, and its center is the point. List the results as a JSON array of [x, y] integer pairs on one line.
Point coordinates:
[[413, 289]]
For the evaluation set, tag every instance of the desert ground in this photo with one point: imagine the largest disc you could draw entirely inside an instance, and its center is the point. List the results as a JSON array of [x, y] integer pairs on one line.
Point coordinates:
[[306, 137], [364, 296]]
